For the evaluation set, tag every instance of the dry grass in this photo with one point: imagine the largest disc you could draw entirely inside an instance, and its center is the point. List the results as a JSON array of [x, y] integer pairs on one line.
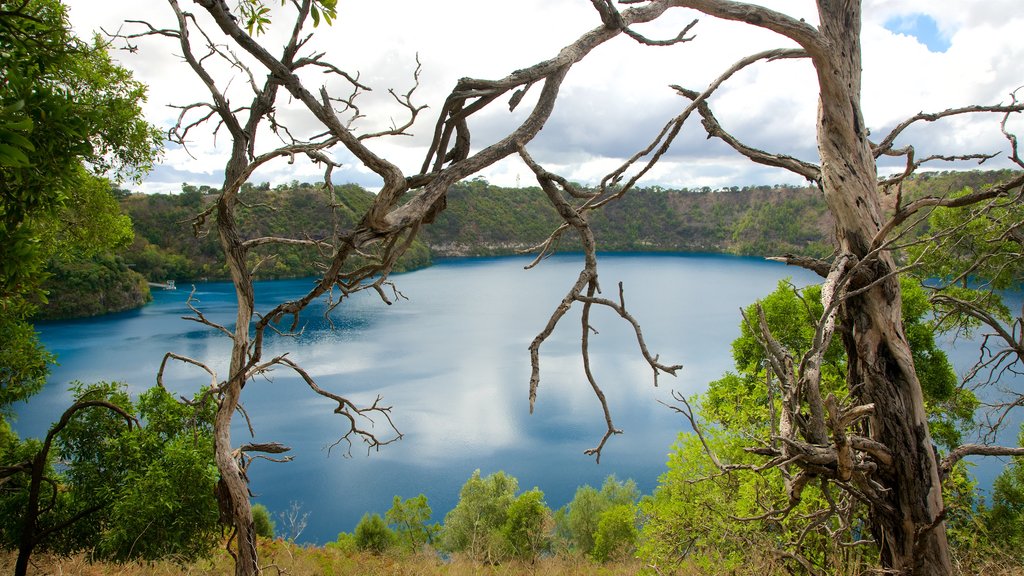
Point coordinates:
[[283, 559], [279, 558]]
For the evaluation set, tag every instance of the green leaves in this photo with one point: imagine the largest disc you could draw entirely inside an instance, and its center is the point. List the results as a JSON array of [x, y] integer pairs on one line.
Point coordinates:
[[257, 16], [372, 534], [410, 518], [122, 492], [14, 146], [490, 523], [589, 508]]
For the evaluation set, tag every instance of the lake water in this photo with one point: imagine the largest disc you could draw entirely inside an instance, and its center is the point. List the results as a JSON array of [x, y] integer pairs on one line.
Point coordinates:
[[452, 360]]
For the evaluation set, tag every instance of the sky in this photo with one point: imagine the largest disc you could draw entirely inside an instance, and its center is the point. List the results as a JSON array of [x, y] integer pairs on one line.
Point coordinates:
[[918, 55]]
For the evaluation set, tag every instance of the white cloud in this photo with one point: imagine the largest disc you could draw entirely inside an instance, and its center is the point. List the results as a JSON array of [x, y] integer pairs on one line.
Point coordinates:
[[616, 100]]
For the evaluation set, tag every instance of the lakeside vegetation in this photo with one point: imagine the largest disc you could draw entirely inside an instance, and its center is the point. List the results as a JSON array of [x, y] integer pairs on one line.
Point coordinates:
[[846, 462], [480, 220]]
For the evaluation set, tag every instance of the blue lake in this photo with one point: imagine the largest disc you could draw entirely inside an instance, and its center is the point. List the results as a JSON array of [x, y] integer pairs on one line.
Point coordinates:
[[452, 360]]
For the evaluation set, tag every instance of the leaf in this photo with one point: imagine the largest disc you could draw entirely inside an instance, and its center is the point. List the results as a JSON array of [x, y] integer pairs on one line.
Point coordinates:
[[15, 139], [316, 15], [11, 156]]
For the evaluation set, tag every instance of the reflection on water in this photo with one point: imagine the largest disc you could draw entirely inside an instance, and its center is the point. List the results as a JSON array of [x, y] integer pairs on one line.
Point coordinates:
[[452, 360]]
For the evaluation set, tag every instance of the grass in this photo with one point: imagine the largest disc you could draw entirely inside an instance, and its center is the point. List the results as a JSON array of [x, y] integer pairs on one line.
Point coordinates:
[[279, 558]]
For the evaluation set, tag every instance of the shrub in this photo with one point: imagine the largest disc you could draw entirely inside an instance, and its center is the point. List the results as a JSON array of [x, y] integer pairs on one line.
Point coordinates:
[[372, 534], [261, 521], [616, 534]]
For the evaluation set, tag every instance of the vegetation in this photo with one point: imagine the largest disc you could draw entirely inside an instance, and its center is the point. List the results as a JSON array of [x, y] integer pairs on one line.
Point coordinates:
[[68, 116], [167, 248], [847, 437], [100, 482], [262, 521], [714, 481], [90, 287], [487, 220], [410, 519]]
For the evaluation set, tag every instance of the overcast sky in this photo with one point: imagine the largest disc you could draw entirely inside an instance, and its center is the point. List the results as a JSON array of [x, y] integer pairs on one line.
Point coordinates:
[[919, 55]]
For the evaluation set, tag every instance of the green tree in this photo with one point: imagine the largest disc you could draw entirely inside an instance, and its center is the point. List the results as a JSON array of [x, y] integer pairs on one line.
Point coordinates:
[[262, 521], [68, 115], [120, 492], [616, 534], [713, 479], [1005, 516], [372, 534], [525, 526], [474, 526], [584, 511], [410, 518]]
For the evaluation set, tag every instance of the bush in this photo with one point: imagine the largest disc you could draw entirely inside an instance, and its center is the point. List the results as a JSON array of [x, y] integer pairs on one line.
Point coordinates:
[[373, 535], [524, 528], [261, 520], [584, 512], [474, 525], [616, 534], [346, 543]]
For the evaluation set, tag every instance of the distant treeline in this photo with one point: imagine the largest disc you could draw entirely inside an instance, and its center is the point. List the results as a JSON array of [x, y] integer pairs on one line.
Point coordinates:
[[480, 220]]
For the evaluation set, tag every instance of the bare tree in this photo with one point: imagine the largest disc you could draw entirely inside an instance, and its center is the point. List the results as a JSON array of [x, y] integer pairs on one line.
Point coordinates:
[[876, 445], [386, 229], [853, 445]]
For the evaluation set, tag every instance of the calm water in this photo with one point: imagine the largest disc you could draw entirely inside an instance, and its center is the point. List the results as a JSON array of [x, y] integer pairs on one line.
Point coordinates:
[[452, 360]]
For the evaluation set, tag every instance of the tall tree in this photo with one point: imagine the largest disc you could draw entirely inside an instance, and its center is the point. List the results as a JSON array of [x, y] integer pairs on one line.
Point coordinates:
[[68, 117], [385, 229], [852, 444], [877, 443]]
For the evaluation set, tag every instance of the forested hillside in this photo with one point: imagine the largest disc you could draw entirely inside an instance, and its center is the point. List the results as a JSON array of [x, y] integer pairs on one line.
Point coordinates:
[[480, 220], [486, 220], [167, 247], [489, 220]]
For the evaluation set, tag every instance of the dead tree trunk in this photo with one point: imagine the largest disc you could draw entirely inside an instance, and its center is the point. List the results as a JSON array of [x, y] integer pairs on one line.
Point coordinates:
[[232, 478], [908, 525]]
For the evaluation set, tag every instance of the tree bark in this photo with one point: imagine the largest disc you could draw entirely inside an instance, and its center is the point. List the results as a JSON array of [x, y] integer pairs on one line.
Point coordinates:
[[242, 357], [908, 528]]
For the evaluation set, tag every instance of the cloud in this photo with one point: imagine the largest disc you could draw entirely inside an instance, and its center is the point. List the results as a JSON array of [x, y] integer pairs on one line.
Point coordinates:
[[919, 55], [921, 27]]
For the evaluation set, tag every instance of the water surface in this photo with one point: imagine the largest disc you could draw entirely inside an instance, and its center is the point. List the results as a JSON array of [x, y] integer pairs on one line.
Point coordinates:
[[451, 358]]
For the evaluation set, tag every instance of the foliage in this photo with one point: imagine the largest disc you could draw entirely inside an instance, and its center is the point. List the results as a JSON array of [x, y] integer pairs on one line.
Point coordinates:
[[524, 529], [67, 116], [166, 246], [346, 543], [410, 517], [1005, 517], [491, 524], [338, 560], [482, 219], [616, 534], [23, 360], [139, 493], [264, 525], [372, 534], [93, 286], [973, 254], [584, 512], [474, 525], [692, 515], [739, 401]]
